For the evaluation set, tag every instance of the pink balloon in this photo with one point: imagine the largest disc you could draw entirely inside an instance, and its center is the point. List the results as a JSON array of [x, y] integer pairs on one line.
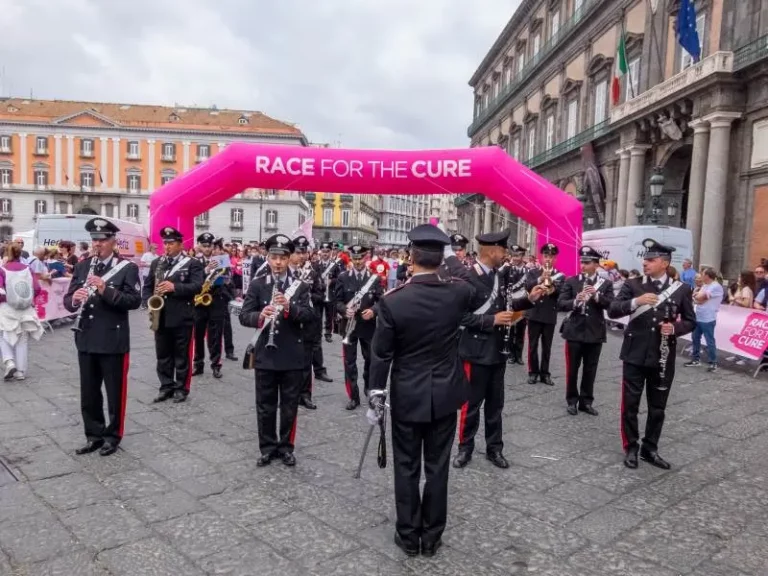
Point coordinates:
[[556, 215]]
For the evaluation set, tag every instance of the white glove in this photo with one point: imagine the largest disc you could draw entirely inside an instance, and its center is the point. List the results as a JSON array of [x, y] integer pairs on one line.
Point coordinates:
[[373, 420]]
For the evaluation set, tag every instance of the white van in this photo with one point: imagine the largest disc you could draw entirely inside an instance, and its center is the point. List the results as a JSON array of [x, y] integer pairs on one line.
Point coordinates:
[[625, 245], [50, 229]]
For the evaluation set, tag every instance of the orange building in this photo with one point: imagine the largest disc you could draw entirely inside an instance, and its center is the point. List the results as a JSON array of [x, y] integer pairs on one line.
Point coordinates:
[[63, 157]]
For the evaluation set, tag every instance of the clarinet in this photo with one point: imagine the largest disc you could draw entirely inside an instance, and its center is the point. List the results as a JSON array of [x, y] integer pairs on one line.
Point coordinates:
[[508, 329], [91, 292], [586, 300], [273, 325], [669, 314]]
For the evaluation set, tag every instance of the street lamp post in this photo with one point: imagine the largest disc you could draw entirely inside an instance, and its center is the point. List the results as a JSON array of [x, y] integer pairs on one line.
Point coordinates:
[[653, 213], [589, 216]]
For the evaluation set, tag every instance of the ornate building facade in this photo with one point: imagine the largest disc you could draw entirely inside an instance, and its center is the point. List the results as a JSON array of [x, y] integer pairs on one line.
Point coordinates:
[[697, 130], [344, 218], [63, 157]]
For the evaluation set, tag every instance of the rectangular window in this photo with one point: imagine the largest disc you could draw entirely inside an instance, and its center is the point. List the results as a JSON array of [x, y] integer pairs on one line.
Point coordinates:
[[577, 4], [554, 24], [165, 179], [202, 218], [536, 44], [573, 119], [5, 143], [520, 62], [236, 216], [133, 149], [41, 178], [632, 80], [516, 148], [133, 211], [86, 148], [495, 89], [41, 207], [327, 217], [550, 135], [41, 146], [531, 141], [507, 75], [6, 206], [134, 183], [169, 152], [203, 152], [345, 216], [6, 177], [685, 59], [86, 179], [601, 92], [272, 218], [486, 99]]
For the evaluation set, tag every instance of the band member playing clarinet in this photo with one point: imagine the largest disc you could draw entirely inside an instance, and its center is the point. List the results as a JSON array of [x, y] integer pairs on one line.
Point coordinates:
[[312, 330], [180, 278], [481, 344], [516, 274], [542, 318], [210, 319], [649, 348], [278, 305], [329, 270], [103, 289], [356, 294], [585, 297]]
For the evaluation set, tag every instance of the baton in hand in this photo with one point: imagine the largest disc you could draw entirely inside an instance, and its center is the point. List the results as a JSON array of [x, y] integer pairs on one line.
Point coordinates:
[[381, 414]]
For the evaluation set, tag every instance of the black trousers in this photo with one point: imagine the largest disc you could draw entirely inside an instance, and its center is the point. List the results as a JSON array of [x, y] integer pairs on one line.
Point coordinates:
[[173, 347], [329, 310], [634, 379], [538, 331], [275, 390], [422, 516], [486, 384], [306, 374], [518, 332], [208, 327], [229, 345], [318, 363], [576, 354], [112, 370], [349, 357]]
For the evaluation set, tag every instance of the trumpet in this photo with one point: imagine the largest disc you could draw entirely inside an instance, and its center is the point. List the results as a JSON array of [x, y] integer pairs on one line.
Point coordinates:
[[156, 302], [205, 298], [547, 278]]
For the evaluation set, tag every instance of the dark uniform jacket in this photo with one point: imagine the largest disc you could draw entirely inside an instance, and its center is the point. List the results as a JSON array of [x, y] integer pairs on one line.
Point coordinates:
[[347, 285], [221, 292], [256, 263], [579, 327], [321, 267], [416, 334], [642, 336], [104, 320], [289, 330], [545, 308], [187, 281], [313, 327], [481, 342]]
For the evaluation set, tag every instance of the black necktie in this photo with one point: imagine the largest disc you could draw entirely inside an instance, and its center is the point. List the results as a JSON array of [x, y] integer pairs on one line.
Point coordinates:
[[657, 285], [100, 267]]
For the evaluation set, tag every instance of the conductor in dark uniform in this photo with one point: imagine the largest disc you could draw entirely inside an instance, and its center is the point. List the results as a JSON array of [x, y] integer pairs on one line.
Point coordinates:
[[516, 276], [278, 305], [178, 280], [586, 297], [542, 318], [481, 343], [107, 287], [417, 336], [660, 310], [209, 320]]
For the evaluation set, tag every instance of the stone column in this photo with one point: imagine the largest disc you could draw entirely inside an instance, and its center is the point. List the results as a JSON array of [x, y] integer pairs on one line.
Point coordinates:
[[103, 182], [151, 170], [57, 160], [488, 220], [636, 179], [476, 225], [715, 188], [116, 164], [697, 182], [73, 180], [185, 159], [609, 175], [69, 208], [103, 209], [621, 192], [24, 156]]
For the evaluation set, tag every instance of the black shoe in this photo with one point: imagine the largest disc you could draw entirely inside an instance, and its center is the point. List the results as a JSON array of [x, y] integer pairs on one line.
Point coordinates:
[[307, 403], [430, 550], [654, 459], [90, 446], [630, 459], [231, 356], [108, 449], [162, 397], [533, 378], [265, 460], [588, 409], [462, 459], [179, 396], [217, 372], [497, 459], [352, 404], [409, 549], [198, 371], [572, 409], [519, 361], [328, 338], [547, 379], [323, 377], [289, 459]]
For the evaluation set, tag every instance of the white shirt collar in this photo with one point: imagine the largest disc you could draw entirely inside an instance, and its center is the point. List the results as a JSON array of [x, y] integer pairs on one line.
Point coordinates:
[[484, 268]]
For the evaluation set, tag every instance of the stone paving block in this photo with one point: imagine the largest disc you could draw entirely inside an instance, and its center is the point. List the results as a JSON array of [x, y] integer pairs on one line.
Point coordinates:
[[529, 479], [551, 538], [604, 525], [17, 500], [544, 508], [179, 464], [147, 445], [201, 534], [735, 496], [607, 561], [181, 432], [746, 552], [707, 517], [364, 561], [451, 562], [72, 491], [248, 558], [164, 505], [205, 485], [472, 538], [583, 495], [101, 468], [136, 484], [23, 538], [47, 462], [247, 506], [104, 525], [80, 563], [150, 557], [215, 451]]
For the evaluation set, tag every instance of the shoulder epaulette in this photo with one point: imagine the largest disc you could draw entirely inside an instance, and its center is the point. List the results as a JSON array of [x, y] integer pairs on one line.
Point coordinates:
[[395, 289]]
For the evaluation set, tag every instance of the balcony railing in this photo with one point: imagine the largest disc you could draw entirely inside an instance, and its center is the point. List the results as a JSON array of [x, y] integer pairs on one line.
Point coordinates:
[[569, 145], [717, 63], [750, 53], [530, 67]]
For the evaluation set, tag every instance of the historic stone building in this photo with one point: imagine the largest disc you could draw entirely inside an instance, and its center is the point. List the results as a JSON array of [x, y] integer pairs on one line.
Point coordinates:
[[697, 130]]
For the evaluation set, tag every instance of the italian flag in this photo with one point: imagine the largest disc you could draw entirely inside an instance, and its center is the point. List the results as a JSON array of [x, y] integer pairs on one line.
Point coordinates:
[[621, 69]]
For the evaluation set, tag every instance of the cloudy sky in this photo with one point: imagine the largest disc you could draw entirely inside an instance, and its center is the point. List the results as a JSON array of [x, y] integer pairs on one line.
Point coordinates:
[[367, 73]]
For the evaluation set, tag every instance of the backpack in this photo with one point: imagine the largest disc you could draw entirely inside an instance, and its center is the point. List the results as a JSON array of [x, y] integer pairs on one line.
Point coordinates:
[[19, 292]]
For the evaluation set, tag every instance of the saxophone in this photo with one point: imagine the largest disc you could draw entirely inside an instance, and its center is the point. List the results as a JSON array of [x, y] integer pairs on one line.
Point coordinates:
[[204, 298], [155, 303]]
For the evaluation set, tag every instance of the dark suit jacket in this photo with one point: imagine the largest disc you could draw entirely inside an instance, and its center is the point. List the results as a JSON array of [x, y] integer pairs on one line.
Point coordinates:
[[104, 321], [346, 287], [578, 326], [642, 337], [544, 309], [187, 281], [416, 335]]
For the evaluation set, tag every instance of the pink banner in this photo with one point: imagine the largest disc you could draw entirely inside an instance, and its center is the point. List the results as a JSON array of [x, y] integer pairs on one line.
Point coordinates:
[[488, 170], [50, 302]]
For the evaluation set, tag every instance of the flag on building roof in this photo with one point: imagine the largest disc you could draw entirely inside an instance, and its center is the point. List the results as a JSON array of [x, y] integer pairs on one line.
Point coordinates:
[[687, 35], [621, 68]]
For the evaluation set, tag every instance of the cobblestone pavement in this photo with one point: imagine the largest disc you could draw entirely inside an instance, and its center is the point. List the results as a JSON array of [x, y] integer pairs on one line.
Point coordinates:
[[184, 497]]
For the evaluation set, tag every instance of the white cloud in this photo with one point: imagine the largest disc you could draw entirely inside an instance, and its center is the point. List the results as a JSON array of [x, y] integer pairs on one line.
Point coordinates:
[[372, 73]]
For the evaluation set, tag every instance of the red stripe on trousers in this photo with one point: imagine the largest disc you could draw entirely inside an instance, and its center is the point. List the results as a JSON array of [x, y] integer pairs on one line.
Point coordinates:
[[624, 442], [191, 356], [123, 394], [465, 406], [292, 437], [347, 383], [567, 368]]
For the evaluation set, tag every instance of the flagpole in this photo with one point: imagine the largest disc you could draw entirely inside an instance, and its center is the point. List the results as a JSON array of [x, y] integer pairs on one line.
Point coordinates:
[[629, 68], [655, 37]]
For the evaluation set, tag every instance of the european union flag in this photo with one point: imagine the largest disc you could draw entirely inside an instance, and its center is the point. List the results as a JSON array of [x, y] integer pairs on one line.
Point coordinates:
[[687, 35]]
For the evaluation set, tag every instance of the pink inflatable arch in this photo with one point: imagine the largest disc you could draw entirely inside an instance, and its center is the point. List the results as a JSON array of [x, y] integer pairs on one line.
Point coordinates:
[[556, 215]]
